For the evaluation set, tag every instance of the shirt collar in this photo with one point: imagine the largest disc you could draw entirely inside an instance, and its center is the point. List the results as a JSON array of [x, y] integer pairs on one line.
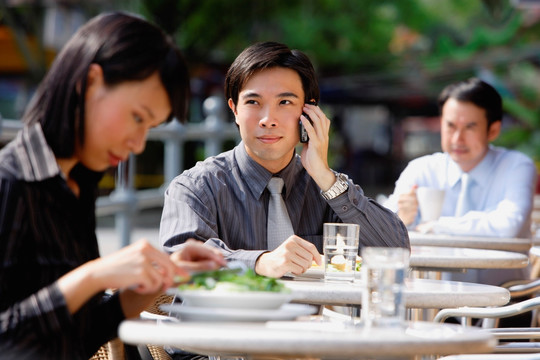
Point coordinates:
[[34, 157], [290, 174], [257, 177], [454, 172], [480, 173]]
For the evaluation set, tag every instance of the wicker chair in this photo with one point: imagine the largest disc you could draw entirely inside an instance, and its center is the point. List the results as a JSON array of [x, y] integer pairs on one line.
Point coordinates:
[[160, 300], [157, 352], [114, 349]]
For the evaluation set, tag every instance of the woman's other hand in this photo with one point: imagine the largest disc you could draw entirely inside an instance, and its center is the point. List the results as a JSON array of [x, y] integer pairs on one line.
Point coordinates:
[[195, 256]]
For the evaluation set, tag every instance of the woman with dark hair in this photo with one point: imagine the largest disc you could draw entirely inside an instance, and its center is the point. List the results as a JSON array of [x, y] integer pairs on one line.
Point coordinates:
[[115, 79]]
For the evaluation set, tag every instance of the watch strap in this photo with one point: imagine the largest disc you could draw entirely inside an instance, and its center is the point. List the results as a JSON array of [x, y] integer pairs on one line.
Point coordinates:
[[339, 187]]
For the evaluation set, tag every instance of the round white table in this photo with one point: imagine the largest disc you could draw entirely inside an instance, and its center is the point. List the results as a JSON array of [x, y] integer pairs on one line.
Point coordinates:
[[476, 242], [420, 293], [440, 257], [308, 339]]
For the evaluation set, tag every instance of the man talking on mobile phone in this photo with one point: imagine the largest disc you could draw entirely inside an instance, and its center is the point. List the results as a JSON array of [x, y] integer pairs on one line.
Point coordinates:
[[227, 200]]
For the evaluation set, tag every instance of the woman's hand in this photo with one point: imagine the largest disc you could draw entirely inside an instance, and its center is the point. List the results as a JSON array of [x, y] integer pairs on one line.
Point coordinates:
[[195, 256], [139, 267]]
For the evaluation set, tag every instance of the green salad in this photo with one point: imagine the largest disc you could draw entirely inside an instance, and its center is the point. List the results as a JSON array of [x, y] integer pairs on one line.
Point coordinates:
[[228, 280]]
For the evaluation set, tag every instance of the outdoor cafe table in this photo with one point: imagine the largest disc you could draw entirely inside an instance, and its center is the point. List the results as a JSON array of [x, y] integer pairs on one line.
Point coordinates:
[[423, 297], [419, 293], [477, 242], [427, 260], [439, 258], [307, 339]]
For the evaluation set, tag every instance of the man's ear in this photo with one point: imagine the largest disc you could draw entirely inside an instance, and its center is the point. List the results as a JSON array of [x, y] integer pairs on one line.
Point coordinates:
[[232, 106], [494, 130]]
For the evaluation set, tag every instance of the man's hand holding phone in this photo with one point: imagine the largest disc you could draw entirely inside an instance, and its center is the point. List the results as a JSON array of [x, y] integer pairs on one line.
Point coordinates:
[[314, 154], [304, 137]]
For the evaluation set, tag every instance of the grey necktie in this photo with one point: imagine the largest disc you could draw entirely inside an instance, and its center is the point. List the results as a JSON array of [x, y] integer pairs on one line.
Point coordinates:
[[279, 226], [464, 199]]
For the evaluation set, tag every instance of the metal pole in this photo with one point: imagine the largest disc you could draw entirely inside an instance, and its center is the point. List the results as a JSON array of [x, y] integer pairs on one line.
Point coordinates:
[[214, 110], [124, 194], [173, 152]]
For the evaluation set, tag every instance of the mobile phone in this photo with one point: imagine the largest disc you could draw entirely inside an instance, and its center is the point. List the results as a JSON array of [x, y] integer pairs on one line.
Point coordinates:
[[304, 138]]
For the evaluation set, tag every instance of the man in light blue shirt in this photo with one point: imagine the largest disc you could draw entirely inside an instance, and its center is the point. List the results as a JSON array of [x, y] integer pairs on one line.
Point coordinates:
[[501, 182]]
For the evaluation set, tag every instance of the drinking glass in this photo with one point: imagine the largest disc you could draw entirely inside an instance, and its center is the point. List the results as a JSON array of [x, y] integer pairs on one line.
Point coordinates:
[[384, 270], [340, 250]]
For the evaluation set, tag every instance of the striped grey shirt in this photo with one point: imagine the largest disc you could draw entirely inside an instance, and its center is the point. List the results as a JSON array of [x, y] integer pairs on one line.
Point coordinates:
[[223, 201]]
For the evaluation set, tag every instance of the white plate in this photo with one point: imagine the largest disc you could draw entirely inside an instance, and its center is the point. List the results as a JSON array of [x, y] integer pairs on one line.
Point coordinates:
[[230, 299], [314, 272], [285, 312]]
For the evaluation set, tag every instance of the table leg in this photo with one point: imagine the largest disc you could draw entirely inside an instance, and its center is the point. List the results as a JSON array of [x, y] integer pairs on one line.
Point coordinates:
[[423, 314]]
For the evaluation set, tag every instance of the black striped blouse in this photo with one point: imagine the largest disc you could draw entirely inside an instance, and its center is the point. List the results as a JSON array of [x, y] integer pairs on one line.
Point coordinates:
[[45, 231]]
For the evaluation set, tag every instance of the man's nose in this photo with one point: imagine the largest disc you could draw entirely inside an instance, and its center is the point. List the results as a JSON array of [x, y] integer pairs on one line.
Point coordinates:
[[458, 136], [268, 118]]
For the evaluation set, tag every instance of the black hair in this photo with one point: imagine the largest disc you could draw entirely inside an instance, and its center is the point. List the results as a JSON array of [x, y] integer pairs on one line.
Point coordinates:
[[479, 93], [128, 48], [267, 55]]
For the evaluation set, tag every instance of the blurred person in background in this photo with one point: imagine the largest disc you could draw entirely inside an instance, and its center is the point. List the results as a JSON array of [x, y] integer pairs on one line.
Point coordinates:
[[501, 182], [116, 78], [224, 200]]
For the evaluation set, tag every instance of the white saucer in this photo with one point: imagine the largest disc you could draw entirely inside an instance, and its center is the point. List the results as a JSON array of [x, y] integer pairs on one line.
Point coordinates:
[[285, 312]]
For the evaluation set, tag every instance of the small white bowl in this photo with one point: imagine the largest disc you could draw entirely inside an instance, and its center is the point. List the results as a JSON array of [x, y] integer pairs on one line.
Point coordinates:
[[229, 299]]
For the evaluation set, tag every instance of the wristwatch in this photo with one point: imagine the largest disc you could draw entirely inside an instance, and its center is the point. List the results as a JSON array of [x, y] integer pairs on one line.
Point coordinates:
[[340, 186]]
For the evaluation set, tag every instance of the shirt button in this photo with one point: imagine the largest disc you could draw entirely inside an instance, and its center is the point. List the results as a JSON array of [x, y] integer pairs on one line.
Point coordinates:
[[355, 201], [345, 208]]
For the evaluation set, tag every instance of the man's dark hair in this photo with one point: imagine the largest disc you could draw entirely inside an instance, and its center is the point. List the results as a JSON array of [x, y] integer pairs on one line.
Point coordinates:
[[479, 93], [127, 48], [268, 55]]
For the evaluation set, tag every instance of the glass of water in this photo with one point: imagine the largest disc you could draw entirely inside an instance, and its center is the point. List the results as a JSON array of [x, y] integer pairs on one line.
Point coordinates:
[[384, 271], [340, 250]]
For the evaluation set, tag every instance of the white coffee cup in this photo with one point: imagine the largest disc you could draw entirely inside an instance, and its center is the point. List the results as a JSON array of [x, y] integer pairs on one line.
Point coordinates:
[[430, 201]]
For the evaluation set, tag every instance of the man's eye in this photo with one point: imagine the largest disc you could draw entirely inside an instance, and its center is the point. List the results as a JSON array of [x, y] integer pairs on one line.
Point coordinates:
[[250, 102], [138, 119], [285, 102]]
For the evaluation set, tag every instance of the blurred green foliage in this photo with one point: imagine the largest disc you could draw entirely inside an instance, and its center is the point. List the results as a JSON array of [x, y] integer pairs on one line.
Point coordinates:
[[430, 43], [446, 40], [344, 36]]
